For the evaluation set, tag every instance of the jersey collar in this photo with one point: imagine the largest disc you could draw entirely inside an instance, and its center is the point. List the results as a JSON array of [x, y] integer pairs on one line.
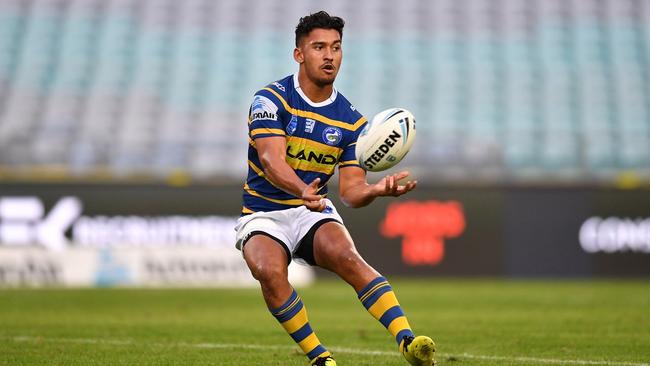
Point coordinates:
[[327, 101]]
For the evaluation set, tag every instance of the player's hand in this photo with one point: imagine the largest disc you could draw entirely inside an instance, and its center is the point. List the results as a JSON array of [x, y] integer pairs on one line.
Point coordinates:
[[389, 185], [311, 199]]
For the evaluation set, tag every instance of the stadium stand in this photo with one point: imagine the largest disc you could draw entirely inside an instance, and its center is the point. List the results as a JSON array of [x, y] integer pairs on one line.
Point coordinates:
[[504, 90]]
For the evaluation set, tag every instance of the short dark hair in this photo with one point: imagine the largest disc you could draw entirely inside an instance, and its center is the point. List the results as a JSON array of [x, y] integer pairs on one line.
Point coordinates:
[[318, 20]]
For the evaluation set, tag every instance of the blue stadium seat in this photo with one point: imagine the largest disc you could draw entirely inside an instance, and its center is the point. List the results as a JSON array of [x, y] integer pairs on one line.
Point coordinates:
[[549, 88]]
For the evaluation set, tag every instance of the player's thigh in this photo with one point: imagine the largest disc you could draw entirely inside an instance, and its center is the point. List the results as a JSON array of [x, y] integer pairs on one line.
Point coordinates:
[[332, 244], [334, 250], [265, 257]]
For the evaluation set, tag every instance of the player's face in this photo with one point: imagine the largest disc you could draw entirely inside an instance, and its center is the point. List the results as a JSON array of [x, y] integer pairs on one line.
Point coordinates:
[[320, 54]]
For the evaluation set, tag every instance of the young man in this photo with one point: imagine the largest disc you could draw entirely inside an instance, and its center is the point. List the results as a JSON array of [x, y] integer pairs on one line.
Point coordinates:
[[300, 129]]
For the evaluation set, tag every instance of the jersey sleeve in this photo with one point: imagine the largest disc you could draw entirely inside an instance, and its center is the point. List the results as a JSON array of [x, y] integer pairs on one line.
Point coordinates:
[[265, 117], [349, 157]]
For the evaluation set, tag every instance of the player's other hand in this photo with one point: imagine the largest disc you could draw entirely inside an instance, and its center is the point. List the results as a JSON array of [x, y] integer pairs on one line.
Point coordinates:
[[311, 199], [389, 185]]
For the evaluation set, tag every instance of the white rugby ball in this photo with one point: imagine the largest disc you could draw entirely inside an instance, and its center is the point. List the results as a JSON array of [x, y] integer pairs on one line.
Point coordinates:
[[386, 139]]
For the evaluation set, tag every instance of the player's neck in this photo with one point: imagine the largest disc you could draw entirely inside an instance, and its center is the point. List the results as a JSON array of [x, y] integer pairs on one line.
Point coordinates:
[[314, 92]]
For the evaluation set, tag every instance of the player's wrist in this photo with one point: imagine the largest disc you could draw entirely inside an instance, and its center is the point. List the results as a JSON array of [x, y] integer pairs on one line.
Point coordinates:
[[376, 190], [304, 192]]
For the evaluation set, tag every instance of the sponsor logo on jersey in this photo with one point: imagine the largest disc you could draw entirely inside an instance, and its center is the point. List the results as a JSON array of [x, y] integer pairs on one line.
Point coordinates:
[[255, 116], [263, 108], [293, 123], [332, 135], [279, 86], [311, 156], [309, 125]]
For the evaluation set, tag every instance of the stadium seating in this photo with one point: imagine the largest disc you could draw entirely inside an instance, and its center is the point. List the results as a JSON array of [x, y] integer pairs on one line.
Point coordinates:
[[503, 90]]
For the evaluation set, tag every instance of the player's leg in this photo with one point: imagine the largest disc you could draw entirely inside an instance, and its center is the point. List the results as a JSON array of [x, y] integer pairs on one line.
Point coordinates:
[[334, 250], [267, 260]]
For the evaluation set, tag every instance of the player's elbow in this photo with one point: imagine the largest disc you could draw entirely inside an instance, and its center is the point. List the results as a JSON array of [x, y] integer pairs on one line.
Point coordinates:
[[268, 161], [273, 168]]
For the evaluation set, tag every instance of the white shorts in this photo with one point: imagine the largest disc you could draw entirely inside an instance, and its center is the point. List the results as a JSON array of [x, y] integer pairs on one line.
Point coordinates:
[[292, 228]]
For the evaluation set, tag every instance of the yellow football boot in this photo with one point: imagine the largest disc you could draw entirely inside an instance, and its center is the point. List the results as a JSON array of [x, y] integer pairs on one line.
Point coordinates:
[[418, 351], [323, 361]]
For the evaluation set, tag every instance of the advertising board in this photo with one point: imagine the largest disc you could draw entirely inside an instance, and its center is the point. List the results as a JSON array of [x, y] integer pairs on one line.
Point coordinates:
[[159, 235]]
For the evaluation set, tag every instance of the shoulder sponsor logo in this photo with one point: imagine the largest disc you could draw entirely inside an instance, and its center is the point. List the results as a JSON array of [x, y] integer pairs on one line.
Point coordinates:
[[263, 108], [332, 135], [279, 86], [255, 116], [293, 124]]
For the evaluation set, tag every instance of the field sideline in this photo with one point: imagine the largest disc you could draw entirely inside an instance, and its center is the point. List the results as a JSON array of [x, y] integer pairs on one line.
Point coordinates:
[[474, 322]]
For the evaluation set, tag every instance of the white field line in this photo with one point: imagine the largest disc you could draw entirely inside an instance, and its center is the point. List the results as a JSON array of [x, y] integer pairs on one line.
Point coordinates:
[[354, 351]]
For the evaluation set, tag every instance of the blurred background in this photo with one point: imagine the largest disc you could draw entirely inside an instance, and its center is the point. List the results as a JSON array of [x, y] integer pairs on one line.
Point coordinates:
[[123, 135]]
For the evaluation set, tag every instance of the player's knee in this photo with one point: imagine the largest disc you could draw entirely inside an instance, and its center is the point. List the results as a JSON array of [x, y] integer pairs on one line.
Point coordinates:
[[346, 259], [267, 273]]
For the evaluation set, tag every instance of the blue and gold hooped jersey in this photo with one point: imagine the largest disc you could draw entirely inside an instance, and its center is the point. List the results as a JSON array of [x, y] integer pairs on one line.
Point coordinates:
[[319, 137]]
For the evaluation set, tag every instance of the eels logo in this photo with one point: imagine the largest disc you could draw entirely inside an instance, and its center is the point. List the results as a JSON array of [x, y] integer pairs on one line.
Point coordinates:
[[332, 135]]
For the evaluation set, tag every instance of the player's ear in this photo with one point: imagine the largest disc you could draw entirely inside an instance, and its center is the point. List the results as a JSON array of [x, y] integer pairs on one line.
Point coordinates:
[[298, 56]]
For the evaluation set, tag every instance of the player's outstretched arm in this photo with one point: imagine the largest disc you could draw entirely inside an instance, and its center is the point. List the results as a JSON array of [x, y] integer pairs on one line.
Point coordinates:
[[356, 192], [272, 154]]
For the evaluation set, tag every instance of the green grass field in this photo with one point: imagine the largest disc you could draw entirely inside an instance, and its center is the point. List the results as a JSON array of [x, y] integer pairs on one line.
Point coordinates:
[[474, 322]]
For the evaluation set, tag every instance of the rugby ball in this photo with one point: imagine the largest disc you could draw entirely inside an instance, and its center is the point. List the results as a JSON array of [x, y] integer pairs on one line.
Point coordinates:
[[386, 139]]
